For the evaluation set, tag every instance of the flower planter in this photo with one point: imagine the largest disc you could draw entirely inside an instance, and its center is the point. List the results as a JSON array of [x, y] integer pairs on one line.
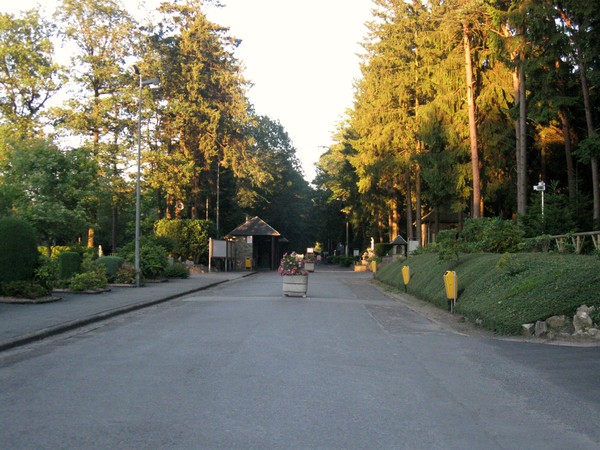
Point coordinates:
[[295, 285], [360, 268], [309, 265]]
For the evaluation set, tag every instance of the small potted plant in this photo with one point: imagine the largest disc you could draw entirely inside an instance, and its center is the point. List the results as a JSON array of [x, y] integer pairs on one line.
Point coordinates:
[[295, 276]]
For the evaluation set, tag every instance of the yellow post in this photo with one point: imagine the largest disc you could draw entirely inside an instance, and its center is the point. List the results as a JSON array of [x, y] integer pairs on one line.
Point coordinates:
[[406, 276], [373, 266]]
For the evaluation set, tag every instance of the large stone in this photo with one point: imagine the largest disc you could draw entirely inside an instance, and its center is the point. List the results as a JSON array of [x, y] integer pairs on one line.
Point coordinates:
[[557, 322], [541, 328], [582, 320], [527, 329]]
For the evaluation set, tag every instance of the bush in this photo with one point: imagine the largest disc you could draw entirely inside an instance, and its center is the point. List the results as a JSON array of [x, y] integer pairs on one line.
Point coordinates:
[[88, 281], [492, 235], [509, 264], [190, 237], [382, 249], [153, 257], [18, 250], [177, 270], [345, 261], [69, 264], [125, 274], [46, 273], [23, 289], [111, 264]]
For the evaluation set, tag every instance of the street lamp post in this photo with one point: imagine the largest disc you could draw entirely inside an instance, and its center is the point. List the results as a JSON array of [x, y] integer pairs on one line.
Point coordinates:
[[541, 187], [138, 176]]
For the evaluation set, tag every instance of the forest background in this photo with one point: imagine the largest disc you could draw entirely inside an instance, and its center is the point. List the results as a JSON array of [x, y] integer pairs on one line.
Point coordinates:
[[463, 106]]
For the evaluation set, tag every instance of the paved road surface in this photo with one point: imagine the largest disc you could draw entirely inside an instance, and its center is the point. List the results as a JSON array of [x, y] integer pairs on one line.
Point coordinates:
[[238, 366]]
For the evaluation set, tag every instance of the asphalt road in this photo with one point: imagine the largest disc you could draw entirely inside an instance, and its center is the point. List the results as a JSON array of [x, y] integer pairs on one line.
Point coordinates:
[[238, 366]]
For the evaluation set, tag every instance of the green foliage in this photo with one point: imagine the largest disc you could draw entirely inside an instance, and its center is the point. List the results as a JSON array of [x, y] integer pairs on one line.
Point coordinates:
[[69, 264], [23, 289], [111, 264], [46, 273], [188, 238], [153, 257], [492, 235], [29, 74], [595, 316], [544, 285], [52, 189], [345, 261], [382, 249], [18, 250], [88, 281], [448, 246], [510, 265], [177, 270], [125, 274]]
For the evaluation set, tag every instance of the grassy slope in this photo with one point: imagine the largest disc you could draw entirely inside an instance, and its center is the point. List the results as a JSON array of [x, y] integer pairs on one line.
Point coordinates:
[[545, 285]]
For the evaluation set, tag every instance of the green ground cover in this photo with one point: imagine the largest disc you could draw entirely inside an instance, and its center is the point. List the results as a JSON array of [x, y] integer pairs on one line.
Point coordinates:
[[504, 291]]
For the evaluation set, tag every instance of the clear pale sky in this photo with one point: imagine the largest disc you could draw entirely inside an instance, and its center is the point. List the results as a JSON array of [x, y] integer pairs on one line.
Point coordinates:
[[301, 57]]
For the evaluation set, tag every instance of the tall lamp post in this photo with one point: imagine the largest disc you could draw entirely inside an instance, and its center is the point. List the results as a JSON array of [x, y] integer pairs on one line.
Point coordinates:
[[137, 180], [541, 187]]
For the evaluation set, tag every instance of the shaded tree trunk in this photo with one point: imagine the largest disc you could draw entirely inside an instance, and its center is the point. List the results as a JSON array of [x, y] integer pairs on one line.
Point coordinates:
[[475, 164], [521, 135], [568, 156]]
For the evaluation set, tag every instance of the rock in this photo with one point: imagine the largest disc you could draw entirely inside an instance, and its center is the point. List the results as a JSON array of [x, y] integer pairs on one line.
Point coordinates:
[[557, 322], [527, 329], [541, 328], [594, 332], [582, 320]]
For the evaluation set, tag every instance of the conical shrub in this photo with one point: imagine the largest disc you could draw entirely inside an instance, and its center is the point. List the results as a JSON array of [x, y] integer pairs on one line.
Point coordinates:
[[18, 250]]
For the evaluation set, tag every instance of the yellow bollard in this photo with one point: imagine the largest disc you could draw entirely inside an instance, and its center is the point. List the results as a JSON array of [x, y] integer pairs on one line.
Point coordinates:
[[373, 266]]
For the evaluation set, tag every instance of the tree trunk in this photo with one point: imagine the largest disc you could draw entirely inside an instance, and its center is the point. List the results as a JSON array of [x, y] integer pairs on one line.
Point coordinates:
[[476, 212], [409, 216], [585, 90], [569, 158], [521, 136], [395, 228], [418, 205]]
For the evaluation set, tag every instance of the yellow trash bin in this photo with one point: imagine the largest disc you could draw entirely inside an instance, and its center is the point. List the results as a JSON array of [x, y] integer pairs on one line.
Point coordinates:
[[248, 263], [406, 274], [451, 285], [406, 277], [373, 266]]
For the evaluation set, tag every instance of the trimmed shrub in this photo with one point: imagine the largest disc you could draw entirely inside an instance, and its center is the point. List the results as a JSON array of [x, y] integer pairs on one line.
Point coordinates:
[[177, 270], [23, 289], [18, 250], [88, 281], [69, 264], [111, 264], [346, 261], [153, 257], [125, 274]]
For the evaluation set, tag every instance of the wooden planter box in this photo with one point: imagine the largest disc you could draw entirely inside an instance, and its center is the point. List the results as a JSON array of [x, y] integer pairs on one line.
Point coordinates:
[[310, 266]]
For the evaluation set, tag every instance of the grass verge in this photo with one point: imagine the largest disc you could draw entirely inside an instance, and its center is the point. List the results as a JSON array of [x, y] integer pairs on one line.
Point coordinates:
[[504, 291]]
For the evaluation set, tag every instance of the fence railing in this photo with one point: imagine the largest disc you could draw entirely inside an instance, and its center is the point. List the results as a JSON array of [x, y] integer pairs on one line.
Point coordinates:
[[577, 239]]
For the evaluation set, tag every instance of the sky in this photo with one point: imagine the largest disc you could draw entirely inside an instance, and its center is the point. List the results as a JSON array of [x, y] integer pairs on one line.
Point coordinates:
[[300, 56]]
